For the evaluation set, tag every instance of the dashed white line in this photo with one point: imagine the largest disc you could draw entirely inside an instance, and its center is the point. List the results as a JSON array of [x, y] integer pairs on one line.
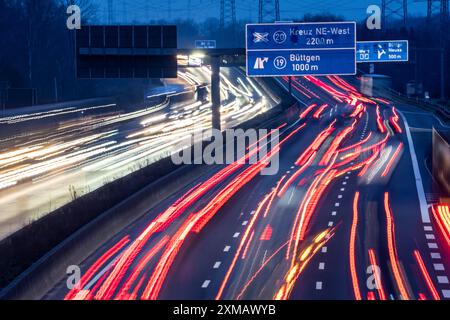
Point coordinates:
[[252, 213], [429, 236], [324, 249], [244, 223], [435, 255], [236, 235], [438, 267], [319, 285], [330, 224], [344, 183], [340, 196], [442, 279], [446, 293], [206, 283], [322, 266], [342, 189], [217, 265], [432, 245], [333, 213], [336, 204], [428, 228], [226, 249]]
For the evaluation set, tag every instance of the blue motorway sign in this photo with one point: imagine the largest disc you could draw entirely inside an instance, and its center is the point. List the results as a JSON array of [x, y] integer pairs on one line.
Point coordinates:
[[285, 49], [382, 51], [205, 44]]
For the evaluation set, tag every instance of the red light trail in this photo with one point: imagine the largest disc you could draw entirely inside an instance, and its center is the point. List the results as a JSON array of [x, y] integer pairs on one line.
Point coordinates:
[[398, 276], [354, 275], [426, 275], [374, 264]]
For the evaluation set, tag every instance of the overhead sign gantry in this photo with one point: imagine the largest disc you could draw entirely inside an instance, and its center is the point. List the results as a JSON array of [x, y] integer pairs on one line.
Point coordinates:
[[382, 51], [298, 49], [126, 51]]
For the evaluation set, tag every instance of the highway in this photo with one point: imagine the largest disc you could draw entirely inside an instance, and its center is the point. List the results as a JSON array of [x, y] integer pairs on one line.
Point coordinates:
[[348, 215], [49, 158]]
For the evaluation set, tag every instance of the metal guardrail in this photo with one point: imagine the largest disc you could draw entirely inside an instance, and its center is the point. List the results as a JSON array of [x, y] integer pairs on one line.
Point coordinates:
[[440, 109], [437, 108]]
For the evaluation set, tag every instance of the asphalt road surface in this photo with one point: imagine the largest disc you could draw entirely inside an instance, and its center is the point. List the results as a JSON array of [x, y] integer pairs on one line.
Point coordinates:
[[346, 216]]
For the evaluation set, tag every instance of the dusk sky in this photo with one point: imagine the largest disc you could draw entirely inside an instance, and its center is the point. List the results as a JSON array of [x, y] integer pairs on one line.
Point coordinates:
[[127, 11]]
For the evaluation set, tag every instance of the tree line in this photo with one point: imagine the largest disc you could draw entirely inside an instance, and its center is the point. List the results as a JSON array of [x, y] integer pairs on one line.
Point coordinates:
[[37, 49]]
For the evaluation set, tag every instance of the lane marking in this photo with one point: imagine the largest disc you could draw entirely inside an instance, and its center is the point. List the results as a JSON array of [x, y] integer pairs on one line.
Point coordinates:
[[324, 249], [344, 183], [342, 189], [226, 249], [432, 245], [206, 284], [291, 196], [446, 293], [435, 255], [336, 204], [442, 279], [101, 273], [217, 265], [429, 236], [245, 223], [264, 257], [333, 213], [330, 224], [428, 228], [438, 267], [236, 235], [319, 285], [419, 186], [340, 196], [322, 266]]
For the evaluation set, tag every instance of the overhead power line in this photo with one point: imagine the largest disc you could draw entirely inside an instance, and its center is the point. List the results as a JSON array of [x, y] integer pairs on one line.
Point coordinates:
[[227, 13], [268, 10]]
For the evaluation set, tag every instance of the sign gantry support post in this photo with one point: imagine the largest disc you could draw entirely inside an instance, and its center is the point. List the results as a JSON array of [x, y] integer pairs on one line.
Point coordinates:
[[217, 58], [215, 92]]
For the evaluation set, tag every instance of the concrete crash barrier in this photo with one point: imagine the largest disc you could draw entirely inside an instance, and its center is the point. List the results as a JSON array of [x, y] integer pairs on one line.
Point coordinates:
[[441, 164]]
